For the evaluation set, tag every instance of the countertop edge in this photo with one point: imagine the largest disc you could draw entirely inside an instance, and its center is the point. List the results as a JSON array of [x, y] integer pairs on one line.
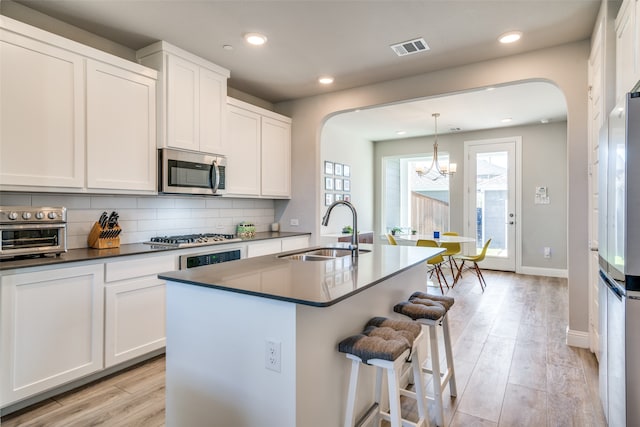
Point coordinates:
[[131, 249], [169, 277]]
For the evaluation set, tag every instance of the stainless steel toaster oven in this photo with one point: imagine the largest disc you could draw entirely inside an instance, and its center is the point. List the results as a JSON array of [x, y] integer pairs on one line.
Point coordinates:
[[29, 230]]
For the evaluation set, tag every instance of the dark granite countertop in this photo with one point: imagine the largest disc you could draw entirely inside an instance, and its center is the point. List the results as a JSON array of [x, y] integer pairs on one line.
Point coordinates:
[[315, 283], [87, 254]]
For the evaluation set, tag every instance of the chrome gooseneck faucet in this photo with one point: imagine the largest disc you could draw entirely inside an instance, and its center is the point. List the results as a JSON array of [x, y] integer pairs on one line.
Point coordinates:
[[354, 237]]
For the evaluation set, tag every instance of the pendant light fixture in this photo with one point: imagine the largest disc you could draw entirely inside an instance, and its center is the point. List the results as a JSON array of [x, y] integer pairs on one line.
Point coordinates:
[[444, 170]]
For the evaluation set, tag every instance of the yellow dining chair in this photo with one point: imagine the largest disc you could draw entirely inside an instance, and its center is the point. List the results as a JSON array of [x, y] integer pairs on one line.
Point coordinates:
[[391, 239], [436, 261], [475, 259], [451, 250]]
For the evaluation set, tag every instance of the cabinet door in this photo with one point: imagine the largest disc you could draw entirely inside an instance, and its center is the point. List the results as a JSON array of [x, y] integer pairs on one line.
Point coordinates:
[[51, 325], [183, 103], [41, 114], [121, 137], [264, 248], [243, 157], [636, 43], [276, 158], [293, 243], [134, 319], [213, 95], [625, 52]]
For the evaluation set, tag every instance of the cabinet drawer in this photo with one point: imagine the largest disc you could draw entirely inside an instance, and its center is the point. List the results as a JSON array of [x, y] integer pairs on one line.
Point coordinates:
[[293, 243], [130, 269], [264, 248]]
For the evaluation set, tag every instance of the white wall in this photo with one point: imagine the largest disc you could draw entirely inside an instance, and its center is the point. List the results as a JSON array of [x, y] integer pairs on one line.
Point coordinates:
[[341, 146], [143, 217], [544, 153], [564, 66]]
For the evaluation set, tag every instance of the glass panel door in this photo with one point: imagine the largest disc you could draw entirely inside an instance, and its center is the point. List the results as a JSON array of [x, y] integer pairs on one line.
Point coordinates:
[[491, 202]]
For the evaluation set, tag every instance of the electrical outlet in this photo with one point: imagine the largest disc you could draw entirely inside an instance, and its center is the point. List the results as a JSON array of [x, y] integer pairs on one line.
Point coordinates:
[[547, 252], [272, 355], [294, 222]]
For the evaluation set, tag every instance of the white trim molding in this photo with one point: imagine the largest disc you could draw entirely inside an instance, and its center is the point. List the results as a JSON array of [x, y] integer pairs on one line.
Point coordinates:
[[541, 271], [577, 338]]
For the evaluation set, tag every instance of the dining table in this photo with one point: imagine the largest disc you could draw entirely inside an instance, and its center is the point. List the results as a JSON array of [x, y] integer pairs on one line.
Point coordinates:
[[441, 239], [408, 239]]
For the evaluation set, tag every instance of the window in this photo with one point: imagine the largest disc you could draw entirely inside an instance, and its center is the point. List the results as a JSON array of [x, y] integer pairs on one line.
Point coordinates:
[[411, 201]]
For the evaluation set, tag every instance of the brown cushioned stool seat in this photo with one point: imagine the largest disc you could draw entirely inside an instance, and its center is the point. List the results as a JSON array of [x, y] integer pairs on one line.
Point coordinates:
[[386, 344], [447, 302], [382, 338]]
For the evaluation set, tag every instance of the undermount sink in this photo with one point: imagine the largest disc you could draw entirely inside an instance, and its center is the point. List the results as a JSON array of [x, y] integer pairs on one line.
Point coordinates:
[[322, 254]]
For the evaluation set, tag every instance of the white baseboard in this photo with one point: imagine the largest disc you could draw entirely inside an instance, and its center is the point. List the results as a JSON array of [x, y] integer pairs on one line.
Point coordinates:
[[548, 272], [577, 338]]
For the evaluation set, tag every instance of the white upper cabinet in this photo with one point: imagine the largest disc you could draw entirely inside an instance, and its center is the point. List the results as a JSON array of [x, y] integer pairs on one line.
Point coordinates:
[[42, 138], [243, 132], [637, 41], [121, 129], [259, 156], [627, 48], [73, 118], [191, 99], [276, 158], [182, 104]]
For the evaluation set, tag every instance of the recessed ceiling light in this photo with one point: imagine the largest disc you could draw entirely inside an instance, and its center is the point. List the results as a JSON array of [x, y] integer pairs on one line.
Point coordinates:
[[255, 39], [325, 80], [506, 120], [227, 47], [544, 121], [401, 132], [510, 37]]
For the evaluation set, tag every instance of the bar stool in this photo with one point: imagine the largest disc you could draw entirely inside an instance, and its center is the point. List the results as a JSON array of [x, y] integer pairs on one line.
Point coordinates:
[[431, 311], [386, 344]]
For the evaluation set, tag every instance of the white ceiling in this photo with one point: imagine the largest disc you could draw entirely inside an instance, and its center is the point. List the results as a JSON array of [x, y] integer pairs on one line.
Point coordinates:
[[348, 39], [524, 103]]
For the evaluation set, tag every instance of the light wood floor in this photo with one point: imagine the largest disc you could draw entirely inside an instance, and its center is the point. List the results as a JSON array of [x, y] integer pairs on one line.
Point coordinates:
[[512, 367]]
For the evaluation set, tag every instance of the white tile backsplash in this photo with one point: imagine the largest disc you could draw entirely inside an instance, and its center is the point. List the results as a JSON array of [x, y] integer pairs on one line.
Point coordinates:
[[12, 199], [113, 202], [143, 217], [68, 201]]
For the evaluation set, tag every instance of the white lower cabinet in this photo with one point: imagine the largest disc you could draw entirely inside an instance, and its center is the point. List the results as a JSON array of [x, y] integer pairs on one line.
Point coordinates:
[[134, 319], [58, 325], [274, 246], [51, 329], [134, 307], [265, 247], [293, 243]]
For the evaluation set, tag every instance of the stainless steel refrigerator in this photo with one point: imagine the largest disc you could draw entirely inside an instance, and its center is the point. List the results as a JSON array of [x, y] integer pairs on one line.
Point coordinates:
[[619, 254]]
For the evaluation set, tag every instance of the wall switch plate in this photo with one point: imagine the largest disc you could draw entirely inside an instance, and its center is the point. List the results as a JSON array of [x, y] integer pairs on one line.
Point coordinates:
[[272, 355], [547, 252], [294, 221]]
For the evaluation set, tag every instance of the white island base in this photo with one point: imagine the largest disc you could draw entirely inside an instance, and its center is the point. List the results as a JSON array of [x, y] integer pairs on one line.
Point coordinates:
[[216, 354]]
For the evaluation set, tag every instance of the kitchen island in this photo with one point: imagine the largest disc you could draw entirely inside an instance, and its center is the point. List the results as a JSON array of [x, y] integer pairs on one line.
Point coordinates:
[[254, 342]]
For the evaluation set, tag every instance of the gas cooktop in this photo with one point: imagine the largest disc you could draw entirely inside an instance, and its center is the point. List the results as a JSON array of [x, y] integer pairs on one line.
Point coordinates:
[[190, 240]]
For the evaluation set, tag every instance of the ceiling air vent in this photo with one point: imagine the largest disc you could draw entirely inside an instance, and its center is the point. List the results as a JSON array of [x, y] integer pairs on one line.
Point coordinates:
[[410, 47]]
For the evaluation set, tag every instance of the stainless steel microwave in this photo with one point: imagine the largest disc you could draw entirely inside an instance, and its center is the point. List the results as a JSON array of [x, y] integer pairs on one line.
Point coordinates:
[[184, 172]]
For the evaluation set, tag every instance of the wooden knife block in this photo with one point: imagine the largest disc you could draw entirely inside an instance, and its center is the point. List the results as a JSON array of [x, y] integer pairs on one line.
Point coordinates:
[[95, 241]]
